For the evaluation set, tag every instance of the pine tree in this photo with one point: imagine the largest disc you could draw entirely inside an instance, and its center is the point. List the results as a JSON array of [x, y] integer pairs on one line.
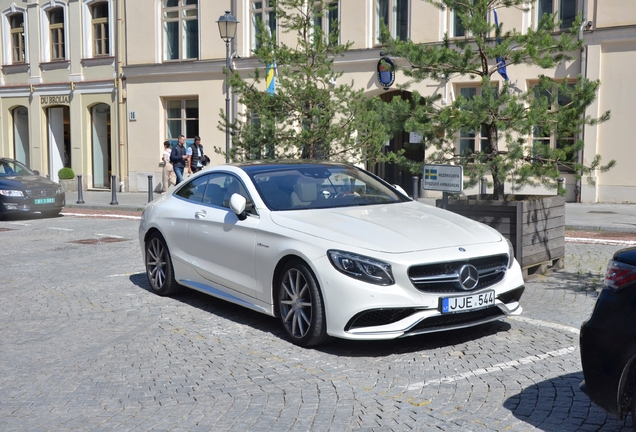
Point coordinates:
[[312, 114], [504, 114]]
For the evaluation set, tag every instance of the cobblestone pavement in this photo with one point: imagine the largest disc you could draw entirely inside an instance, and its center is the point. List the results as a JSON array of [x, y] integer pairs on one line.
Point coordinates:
[[86, 346]]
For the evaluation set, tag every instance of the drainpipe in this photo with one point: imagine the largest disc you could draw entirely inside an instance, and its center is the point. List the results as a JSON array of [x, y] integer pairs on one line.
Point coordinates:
[[119, 86], [581, 134]]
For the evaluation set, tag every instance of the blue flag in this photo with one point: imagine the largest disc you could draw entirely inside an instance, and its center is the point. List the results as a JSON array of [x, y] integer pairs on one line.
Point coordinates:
[[501, 64]]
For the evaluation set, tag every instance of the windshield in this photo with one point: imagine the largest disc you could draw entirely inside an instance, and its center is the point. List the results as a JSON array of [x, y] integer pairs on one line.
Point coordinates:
[[321, 186], [13, 168]]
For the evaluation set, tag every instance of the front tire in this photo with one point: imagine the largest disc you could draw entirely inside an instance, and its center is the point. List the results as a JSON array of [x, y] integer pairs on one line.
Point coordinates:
[[300, 305], [159, 266]]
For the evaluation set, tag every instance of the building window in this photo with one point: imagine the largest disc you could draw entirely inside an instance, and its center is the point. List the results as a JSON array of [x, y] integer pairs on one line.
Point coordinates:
[[263, 15], [182, 118], [326, 20], [394, 14], [17, 38], [471, 141], [565, 10], [456, 27], [180, 19], [56, 29], [546, 137], [99, 22]]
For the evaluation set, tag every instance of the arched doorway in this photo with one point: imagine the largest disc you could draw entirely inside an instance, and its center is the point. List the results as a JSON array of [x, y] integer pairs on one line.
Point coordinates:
[[413, 150], [21, 148], [100, 145], [59, 131]]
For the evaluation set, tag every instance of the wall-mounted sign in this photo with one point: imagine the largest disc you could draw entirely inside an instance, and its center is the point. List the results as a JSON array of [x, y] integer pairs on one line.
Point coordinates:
[[55, 100], [415, 138], [386, 72], [446, 178], [132, 116]]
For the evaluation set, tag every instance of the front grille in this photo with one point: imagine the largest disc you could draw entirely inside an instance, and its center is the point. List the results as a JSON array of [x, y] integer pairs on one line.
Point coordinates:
[[443, 322], [377, 317], [444, 277], [41, 193]]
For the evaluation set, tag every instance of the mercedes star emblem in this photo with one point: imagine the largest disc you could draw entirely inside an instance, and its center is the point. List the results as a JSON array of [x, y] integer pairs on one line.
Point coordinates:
[[468, 277]]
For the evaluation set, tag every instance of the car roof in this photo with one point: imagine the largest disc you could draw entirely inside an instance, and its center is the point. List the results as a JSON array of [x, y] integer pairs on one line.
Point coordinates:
[[254, 167]]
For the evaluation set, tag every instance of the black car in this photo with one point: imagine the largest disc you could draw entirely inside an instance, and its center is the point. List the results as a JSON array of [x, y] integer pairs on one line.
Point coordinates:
[[25, 191], [608, 340]]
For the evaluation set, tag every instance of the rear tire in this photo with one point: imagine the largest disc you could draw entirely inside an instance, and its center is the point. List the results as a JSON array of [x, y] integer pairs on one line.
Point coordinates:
[[159, 266], [300, 304]]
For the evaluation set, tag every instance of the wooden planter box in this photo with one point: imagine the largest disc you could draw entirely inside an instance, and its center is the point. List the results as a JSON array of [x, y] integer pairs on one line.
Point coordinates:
[[535, 225]]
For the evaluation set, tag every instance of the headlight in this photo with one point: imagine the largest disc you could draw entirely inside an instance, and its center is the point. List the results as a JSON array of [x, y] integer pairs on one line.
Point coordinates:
[[360, 267], [511, 254], [59, 191], [11, 193]]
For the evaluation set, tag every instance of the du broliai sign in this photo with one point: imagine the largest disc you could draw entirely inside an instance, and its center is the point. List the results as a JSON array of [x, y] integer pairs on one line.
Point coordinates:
[[446, 178]]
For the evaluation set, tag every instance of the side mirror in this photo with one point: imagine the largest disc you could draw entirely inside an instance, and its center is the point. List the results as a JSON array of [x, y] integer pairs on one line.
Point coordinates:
[[237, 204], [36, 172], [400, 190]]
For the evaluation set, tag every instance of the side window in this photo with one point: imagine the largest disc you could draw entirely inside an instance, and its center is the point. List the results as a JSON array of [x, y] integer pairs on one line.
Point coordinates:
[[221, 187], [194, 190]]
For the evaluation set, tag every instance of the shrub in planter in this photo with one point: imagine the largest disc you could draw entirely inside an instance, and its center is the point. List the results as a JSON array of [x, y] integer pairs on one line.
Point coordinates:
[[66, 174]]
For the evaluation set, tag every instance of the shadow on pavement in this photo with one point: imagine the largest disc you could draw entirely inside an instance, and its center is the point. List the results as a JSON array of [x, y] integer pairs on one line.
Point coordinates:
[[339, 347], [557, 405]]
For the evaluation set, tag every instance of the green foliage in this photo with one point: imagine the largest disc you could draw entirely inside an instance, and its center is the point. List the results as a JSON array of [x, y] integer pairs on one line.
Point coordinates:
[[66, 174], [507, 115], [313, 114]]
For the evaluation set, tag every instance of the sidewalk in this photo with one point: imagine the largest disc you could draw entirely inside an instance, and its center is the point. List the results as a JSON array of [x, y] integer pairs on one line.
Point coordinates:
[[583, 217]]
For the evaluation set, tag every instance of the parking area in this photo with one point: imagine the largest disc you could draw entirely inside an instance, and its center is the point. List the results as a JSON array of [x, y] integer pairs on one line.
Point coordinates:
[[86, 346]]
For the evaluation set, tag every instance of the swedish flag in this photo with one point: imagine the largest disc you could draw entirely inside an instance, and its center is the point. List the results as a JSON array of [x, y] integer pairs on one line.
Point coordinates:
[[270, 78], [430, 174]]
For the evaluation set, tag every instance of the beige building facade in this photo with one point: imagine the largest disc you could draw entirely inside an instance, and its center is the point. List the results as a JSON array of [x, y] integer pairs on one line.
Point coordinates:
[[58, 88], [172, 60]]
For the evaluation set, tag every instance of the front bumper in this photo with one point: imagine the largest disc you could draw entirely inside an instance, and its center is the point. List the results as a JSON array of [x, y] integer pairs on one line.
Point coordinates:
[[15, 205], [361, 311]]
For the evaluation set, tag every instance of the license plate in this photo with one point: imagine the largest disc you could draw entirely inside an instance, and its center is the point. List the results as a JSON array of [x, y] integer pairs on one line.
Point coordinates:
[[469, 302], [44, 200]]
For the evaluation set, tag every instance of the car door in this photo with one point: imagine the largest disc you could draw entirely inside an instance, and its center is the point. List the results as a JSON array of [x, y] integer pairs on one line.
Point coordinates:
[[221, 245]]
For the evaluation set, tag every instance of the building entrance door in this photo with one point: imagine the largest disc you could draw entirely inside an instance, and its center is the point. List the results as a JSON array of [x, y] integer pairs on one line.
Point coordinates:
[[100, 118], [21, 135], [59, 140]]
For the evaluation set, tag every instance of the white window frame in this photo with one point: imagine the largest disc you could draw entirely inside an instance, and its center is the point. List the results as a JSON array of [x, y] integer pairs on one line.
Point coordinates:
[[87, 28], [180, 19], [7, 57], [479, 137], [45, 32], [264, 13], [393, 14], [325, 18], [552, 139], [182, 118], [556, 7]]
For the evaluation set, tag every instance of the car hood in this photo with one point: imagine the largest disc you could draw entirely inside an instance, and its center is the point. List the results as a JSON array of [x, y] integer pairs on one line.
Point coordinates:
[[26, 182], [393, 228]]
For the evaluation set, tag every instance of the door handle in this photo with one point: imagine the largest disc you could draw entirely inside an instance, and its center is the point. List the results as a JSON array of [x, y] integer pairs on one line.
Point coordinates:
[[200, 214]]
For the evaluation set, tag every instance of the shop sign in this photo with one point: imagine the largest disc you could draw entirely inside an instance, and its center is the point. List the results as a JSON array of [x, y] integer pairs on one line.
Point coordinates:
[[55, 100]]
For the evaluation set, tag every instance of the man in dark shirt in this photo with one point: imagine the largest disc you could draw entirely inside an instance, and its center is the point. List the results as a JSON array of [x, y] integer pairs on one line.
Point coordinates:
[[178, 158]]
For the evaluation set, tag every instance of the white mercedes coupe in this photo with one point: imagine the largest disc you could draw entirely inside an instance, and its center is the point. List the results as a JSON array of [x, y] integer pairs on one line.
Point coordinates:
[[329, 248]]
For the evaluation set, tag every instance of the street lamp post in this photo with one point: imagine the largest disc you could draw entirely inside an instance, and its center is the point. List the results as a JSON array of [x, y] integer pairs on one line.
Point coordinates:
[[227, 27]]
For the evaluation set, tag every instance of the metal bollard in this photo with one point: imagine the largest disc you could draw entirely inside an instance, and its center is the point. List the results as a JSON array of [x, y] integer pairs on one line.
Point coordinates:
[[80, 196], [482, 186], [150, 188], [113, 189], [560, 185], [416, 186]]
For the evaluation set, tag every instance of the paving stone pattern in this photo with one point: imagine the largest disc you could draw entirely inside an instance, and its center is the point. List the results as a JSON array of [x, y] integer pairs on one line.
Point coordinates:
[[86, 346]]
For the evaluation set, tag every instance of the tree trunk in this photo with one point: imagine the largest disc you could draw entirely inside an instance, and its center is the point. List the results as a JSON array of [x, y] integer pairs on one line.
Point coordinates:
[[498, 177]]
